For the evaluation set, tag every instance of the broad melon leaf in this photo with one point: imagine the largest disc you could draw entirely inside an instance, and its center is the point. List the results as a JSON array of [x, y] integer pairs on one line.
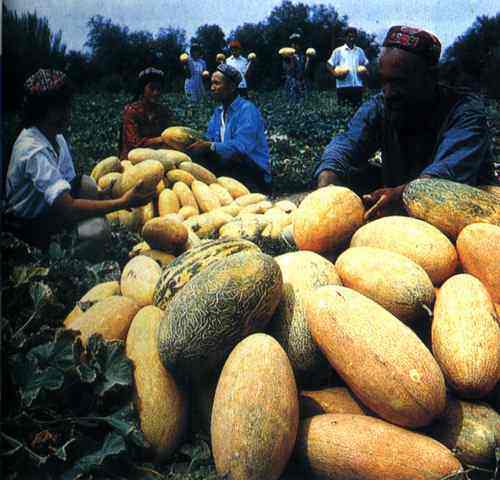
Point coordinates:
[[24, 274], [113, 446], [41, 294], [109, 359], [63, 353], [125, 422]]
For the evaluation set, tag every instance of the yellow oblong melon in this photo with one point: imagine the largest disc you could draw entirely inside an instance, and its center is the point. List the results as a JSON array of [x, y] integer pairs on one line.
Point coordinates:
[[327, 218], [399, 380], [160, 404], [108, 165], [478, 247], [178, 175], [168, 202], [149, 172], [108, 179], [330, 400], [165, 233], [185, 195], [199, 172], [139, 278], [96, 293], [254, 420], [233, 186], [302, 272], [344, 446], [110, 317], [222, 194], [250, 199], [138, 155], [466, 336], [392, 280], [166, 155], [413, 238], [206, 199]]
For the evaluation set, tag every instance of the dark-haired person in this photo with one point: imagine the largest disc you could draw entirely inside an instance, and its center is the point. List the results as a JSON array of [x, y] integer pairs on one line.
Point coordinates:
[[242, 64], [296, 69], [352, 62], [43, 193], [193, 69], [238, 142], [145, 118], [423, 128]]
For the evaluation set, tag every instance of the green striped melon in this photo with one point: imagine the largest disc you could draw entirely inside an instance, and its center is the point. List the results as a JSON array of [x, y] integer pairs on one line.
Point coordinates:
[[450, 206], [192, 262], [221, 305]]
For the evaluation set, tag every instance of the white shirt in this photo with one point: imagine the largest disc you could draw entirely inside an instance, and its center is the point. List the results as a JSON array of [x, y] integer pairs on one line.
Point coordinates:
[[241, 64], [37, 174], [350, 58]]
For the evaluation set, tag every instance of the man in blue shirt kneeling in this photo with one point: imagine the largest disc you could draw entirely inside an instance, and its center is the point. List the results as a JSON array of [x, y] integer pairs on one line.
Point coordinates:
[[238, 143]]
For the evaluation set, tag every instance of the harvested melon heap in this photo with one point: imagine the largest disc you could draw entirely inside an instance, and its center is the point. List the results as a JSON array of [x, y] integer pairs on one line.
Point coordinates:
[[373, 352]]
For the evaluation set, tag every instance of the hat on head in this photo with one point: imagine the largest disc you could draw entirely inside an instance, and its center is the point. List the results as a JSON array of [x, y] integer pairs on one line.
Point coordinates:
[[414, 40], [234, 44], [295, 37], [45, 81], [151, 72], [229, 72]]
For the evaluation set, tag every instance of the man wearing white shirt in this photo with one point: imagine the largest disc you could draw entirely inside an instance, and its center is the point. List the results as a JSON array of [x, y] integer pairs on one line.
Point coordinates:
[[241, 64], [348, 65]]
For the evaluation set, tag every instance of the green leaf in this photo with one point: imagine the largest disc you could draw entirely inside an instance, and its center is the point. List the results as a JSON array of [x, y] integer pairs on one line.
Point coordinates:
[[55, 251], [63, 353], [110, 360], [41, 294], [25, 274], [113, 446]]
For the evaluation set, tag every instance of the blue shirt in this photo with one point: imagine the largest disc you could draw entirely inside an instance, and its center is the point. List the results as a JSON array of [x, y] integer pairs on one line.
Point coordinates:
[[244, 135], [454, 144]]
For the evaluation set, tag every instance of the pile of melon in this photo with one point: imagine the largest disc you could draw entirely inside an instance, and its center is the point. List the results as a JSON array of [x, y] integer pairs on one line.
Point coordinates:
[[190, 203], [373, 352]]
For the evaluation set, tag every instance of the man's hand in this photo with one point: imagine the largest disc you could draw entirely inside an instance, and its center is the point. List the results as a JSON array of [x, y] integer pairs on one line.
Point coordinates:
[[136, 197], [199, 147], [327, 177], [383, 202]]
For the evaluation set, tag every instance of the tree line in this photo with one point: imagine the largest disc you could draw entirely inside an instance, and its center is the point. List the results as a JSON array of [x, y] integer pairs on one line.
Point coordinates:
[[115, 54]]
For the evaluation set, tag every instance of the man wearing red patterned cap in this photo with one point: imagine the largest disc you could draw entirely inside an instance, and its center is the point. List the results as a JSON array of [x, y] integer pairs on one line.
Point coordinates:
[[423, 128]]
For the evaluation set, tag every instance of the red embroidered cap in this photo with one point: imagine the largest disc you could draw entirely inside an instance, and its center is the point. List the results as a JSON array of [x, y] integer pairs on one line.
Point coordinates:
[[45, 81], [414, 40]]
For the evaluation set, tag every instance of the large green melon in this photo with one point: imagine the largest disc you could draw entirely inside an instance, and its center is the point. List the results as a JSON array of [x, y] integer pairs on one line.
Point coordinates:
[[221, 305]]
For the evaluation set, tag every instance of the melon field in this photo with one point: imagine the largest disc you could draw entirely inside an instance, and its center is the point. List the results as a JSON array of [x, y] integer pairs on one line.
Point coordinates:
[[73, 405]]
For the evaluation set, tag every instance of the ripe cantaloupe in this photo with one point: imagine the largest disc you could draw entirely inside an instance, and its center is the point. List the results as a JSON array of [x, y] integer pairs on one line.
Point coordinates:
[[139, 278], [478, 247], [255, 420], [327, 218], [471, 430], [230, 299], [302, 272], [392, 280], [413, 238], [160, 404], [466, 336], [96, 293], [110, 317], [343, 446], [399, 380]]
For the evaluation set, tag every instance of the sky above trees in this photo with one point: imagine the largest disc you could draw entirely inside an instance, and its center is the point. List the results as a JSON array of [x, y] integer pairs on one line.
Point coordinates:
[[446, 18]]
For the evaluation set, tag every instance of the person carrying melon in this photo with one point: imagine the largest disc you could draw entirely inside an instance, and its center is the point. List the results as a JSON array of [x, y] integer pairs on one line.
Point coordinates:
[[145, 118], [241, 64], [348, 65], [237, 145], [43, 193], [193, 69], [296, 68], [424, 129]]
